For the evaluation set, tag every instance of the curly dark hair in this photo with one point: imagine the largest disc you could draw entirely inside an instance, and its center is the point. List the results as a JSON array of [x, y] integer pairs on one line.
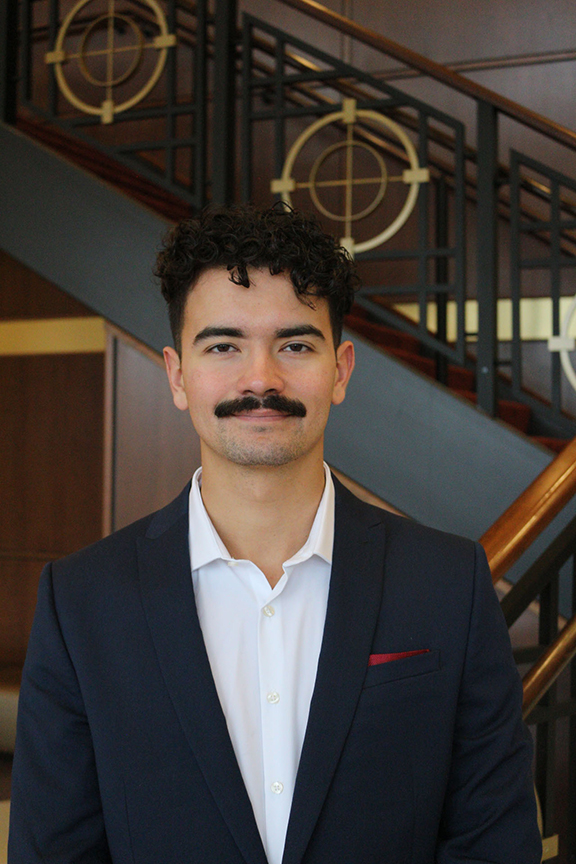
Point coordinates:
[[240, 237]]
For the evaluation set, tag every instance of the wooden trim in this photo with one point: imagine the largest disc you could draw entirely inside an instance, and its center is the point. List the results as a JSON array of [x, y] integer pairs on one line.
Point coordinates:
[[435, 70], [109, 432], [128, 339], [548, 668], [533, 510], [84, 335]]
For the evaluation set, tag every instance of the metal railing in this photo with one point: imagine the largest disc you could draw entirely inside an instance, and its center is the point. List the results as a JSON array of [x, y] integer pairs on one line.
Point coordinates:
[[182, 138], [486, 181], [163, 136], [549, 697], [288, 93]]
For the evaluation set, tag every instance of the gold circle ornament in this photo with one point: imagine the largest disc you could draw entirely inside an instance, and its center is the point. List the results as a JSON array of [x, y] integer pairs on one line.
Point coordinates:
[[138, 50], [383, 181], [108, 108], [412, 177]]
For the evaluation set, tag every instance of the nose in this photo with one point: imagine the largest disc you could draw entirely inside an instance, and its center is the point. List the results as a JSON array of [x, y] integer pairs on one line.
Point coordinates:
[[261, 375]]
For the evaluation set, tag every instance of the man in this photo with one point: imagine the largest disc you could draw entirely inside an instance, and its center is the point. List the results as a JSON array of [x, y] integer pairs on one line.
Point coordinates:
[[268, 670]]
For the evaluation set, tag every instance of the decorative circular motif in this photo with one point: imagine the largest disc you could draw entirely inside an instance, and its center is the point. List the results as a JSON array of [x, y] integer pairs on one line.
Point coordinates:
[[412, 177], [383, 181], [108, 108], [564, 344], [138, 50]]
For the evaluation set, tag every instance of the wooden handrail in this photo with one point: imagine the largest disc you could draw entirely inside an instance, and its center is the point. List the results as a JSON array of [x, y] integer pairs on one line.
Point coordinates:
[[435, 70], [543, 674], [526, 518]]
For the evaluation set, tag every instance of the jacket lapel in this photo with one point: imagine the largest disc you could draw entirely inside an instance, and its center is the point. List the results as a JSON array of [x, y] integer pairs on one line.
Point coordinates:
[[170, 608], [351, 617]]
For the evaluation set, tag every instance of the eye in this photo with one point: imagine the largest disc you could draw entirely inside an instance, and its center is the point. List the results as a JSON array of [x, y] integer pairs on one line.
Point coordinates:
[[221, 348], [297, 348]]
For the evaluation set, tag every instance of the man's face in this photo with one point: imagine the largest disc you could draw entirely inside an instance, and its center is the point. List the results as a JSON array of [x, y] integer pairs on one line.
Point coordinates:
[[258, 370]]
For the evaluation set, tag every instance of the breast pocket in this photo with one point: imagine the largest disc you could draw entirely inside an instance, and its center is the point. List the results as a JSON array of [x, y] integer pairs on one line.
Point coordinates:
[[406, 667]]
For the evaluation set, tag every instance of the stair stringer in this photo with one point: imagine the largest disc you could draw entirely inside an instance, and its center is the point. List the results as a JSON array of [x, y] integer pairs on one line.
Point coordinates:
[[83, 235]]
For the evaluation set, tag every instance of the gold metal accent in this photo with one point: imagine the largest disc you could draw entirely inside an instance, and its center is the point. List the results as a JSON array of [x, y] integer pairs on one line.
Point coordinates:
[[563, 343], [283, 185], [165, 41], [55, 57], [349, 111], [550, 847], [349, 115], [85, 335], [83, 53], [416, 175], [107, 111], [107, 107], [349, 216]]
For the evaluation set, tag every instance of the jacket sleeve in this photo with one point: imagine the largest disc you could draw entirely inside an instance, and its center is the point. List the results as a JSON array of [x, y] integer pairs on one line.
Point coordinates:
[[55, 813], [490, 812]]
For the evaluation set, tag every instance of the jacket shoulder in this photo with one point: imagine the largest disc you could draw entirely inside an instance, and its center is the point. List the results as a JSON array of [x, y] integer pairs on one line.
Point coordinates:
[[400, 530], [120, 548]]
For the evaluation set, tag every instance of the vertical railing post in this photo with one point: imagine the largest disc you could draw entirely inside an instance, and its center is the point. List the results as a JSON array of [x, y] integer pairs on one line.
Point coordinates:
[[487, 256], [223, 103], [545, 749], [8, 60], [571, 808], [442, 277], [200, 100]]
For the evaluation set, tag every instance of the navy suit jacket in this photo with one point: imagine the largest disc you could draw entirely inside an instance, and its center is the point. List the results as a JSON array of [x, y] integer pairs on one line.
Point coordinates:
[[123, 754]]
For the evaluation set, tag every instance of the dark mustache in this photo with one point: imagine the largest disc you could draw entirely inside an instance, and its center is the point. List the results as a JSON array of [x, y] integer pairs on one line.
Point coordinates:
[[273, 402]]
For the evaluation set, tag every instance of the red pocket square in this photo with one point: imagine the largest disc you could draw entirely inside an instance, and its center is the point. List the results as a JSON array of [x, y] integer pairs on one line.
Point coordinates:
[[376, 659]]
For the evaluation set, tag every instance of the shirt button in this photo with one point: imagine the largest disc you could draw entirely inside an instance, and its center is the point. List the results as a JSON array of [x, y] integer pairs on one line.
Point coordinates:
[[232, 563], [277, 787], [269, 611], [273, 697]]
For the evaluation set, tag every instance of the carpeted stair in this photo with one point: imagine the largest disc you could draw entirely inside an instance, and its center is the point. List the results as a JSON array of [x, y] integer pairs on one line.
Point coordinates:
[[460, 380]]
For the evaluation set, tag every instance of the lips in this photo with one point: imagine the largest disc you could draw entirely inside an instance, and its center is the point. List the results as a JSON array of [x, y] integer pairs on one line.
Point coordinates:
[[262, 415]]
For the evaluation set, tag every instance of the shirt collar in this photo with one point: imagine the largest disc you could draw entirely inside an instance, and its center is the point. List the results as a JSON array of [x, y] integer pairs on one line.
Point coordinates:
[[207, 546]]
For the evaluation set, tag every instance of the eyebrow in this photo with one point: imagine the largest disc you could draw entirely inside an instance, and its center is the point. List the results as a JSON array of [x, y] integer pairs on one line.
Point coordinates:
[[211, 332], [300, 330], [236, 333]]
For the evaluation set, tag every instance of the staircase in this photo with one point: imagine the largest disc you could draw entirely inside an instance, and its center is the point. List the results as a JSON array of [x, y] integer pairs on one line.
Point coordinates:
[[284, 81], [460, 380]]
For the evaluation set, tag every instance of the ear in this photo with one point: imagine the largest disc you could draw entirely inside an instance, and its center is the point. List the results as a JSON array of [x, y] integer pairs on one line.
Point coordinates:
[[175, 378], [344, 366]]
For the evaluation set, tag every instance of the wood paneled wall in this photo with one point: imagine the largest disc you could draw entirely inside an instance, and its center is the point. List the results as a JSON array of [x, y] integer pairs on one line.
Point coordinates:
[[51, 441], [155, 447]]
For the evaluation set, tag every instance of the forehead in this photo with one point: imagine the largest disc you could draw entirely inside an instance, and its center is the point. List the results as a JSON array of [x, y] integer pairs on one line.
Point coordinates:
[[215, 297]]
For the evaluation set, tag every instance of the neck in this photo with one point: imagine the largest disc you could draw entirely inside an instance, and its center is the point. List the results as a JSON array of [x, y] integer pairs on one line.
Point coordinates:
[[263, 514]]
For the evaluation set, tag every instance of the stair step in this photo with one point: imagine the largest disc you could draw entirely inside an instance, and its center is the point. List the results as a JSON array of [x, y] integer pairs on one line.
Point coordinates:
[[514, 413], [554, 444], [458, 377], [380, 334], [105, 167]]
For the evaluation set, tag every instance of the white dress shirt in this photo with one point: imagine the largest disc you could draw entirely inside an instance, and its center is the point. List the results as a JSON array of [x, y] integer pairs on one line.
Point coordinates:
[[263, 644]]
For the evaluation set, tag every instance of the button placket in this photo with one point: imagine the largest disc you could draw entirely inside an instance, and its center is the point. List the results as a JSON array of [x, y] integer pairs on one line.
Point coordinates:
[[274, 717]]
